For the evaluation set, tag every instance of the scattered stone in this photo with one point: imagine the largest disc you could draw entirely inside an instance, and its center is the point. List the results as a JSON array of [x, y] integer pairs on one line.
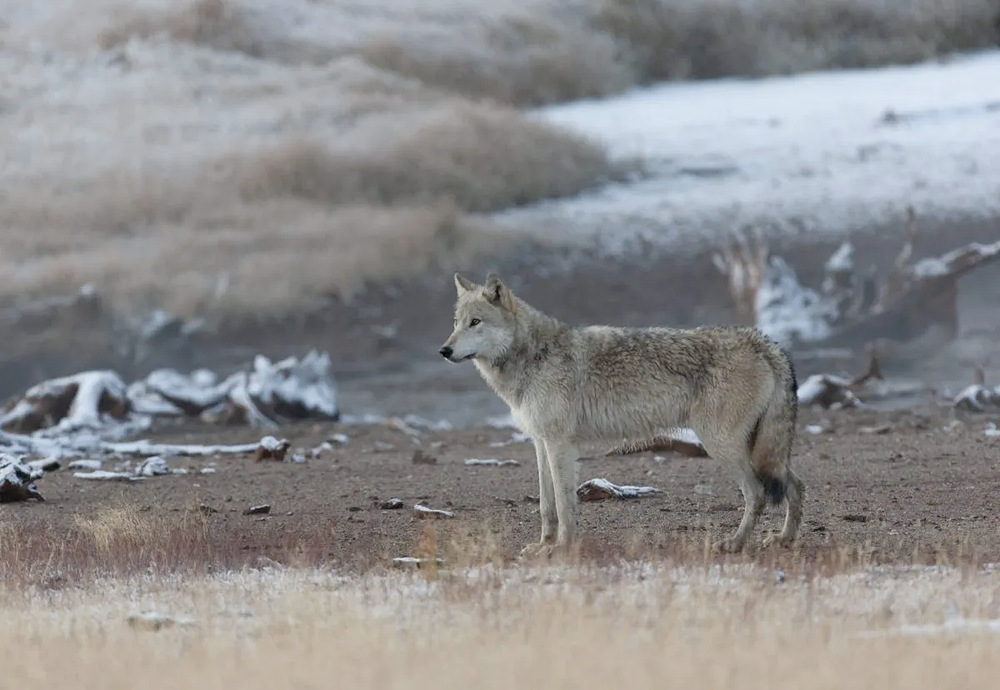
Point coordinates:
[[422, 458], [392, 504], [422, 512], [270, 448], [262, 509], [207, 509], [600, 489], [382, 447], [506, 501], [854, 517], [704, 489]]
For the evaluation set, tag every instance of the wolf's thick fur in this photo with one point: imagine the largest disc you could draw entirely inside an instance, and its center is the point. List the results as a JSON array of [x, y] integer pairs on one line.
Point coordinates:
[[564, 386]]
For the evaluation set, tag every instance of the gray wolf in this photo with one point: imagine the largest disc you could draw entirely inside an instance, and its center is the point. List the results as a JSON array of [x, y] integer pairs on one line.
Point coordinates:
[[566, 386]]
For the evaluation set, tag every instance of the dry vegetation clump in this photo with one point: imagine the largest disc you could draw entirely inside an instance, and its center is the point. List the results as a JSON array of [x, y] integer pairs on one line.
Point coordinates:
[[677, 39], [531, 60], [482, 157]]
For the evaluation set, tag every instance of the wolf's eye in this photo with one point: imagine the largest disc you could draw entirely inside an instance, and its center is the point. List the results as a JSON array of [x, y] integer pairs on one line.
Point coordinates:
[[474, 322]]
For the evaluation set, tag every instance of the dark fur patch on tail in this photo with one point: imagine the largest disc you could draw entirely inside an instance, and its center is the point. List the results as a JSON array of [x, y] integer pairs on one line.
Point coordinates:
[[774, 488]]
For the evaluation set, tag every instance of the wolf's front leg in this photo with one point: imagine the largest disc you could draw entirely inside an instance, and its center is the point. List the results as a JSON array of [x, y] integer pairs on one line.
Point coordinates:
[[546, 505], [546, 495], [562, 463]]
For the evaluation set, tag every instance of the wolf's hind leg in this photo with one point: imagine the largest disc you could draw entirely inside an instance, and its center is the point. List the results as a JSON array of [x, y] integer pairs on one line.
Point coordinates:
[[733, 452]]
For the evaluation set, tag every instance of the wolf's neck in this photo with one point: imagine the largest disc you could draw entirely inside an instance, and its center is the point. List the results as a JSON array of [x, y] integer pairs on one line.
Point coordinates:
[[509, 374]]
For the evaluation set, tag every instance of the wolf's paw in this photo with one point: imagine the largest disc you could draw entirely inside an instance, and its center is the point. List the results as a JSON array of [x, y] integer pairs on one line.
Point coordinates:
[[728, 545], [537, 551], [777, 540]]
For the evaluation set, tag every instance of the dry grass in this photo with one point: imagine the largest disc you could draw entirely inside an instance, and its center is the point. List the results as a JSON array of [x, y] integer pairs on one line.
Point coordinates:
[[483, 158], [657, 626], [686, 620], [678, 39]]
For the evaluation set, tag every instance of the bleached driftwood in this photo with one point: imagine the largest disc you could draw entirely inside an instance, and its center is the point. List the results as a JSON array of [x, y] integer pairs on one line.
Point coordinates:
[[829, 391], [599, 489], [94, 411], [17, 480], [683, 441], [900, 303], [78, 401]]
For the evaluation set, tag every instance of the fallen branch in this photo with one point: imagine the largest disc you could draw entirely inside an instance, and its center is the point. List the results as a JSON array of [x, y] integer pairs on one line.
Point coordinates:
[[600, 489]]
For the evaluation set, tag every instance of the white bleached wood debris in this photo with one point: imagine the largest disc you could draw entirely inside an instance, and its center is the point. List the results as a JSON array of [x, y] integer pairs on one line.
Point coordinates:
[[17, 480]]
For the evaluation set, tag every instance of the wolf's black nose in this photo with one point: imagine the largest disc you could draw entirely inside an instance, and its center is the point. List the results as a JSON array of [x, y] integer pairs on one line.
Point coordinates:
[[446, 352]]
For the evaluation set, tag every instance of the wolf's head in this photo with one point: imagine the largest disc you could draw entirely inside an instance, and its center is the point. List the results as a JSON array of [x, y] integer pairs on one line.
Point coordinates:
[[484, 321]]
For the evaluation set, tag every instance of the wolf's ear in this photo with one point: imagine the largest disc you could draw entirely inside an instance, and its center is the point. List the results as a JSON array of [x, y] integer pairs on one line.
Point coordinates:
[[463, 285], [497, 293]]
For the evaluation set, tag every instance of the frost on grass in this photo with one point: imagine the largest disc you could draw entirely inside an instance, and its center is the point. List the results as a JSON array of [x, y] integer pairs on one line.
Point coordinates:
[[600, 489], [17, 480]]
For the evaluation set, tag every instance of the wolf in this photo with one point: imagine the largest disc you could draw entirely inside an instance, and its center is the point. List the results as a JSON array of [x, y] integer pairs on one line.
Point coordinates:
[[566, 386]]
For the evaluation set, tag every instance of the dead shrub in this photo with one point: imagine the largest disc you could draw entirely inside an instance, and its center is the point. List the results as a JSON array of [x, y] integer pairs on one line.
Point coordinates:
[[678, 39], [484, 158]]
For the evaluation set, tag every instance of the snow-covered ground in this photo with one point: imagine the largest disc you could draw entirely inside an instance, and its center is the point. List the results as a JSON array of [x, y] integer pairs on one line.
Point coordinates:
[[827, 152]]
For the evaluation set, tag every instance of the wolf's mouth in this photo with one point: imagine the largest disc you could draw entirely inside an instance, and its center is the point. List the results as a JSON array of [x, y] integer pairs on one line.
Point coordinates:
[[466, 358]]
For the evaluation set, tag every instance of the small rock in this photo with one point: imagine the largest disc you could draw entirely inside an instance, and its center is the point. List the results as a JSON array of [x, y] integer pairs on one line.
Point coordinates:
[[382, 447], [392, 504], [854, 517], [207, 509], [354, 509], [876, 430], [422, 458], [262, 509]]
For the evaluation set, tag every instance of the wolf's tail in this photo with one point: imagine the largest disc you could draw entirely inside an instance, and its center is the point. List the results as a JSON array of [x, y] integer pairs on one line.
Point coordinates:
[[771, 441]]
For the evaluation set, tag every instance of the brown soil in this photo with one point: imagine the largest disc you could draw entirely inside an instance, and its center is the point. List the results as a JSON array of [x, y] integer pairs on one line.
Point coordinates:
[[916, 491]]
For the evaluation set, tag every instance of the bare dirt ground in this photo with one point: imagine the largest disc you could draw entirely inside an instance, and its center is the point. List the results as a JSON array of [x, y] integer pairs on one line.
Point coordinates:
[[916, 492]]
